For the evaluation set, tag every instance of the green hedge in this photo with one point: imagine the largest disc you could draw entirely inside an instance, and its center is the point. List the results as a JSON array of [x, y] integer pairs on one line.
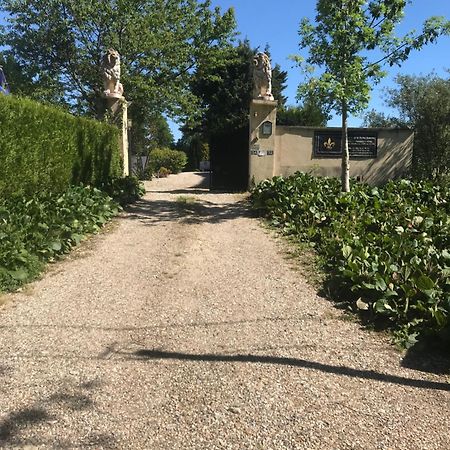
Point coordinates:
[[43, 148]]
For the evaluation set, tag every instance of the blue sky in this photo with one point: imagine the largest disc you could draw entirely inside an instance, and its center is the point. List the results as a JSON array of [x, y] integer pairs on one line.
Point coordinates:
[[276, 22]]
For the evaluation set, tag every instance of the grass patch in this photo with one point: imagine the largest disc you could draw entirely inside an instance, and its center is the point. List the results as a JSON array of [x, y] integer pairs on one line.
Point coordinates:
[[186, 200]]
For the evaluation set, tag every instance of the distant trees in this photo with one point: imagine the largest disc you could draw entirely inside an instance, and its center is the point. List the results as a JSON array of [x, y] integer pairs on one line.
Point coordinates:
[[53, 49], [375, 119], [160, 42], [196, 147], [21, 82], [340, 43], [225, 90], [310, 113], [148, 133], [423, 104]]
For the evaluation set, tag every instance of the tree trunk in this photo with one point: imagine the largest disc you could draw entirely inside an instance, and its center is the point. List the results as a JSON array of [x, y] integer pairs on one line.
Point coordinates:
[[345, 174]]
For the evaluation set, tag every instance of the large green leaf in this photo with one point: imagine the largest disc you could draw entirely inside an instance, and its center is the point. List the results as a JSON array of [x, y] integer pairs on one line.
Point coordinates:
[[425, 283]]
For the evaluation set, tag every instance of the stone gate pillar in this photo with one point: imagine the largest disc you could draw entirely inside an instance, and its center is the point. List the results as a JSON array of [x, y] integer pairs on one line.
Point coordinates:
[[116, 104], [118, 111], [263, 116]]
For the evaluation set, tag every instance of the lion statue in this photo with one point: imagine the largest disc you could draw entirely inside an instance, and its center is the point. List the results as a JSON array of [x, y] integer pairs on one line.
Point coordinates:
[[111, 73], [262, 77]]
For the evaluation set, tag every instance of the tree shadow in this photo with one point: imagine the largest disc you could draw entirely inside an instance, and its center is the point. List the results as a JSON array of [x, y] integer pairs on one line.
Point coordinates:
[[201, 184], [15, 422], [175, 325], [153, 212], [12, 424], [187, 191], [295, 362]]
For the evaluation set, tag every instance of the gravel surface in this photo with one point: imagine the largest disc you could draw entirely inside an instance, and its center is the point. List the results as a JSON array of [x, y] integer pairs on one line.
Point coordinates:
[[186, 327]]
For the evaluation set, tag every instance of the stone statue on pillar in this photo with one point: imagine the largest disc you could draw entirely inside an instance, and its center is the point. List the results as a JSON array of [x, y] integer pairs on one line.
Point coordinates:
[[115, 101], [262, 77], [111, 74]]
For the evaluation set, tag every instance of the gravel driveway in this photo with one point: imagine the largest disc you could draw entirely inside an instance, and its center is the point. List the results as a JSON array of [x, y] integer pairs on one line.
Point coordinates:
[[186, 327]]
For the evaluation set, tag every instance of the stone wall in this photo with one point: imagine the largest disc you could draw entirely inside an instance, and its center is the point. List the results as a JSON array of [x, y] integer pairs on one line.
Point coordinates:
[[295, 149]]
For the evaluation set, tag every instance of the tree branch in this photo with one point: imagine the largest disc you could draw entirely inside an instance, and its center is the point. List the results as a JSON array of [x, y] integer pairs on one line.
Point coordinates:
[[386, 56]]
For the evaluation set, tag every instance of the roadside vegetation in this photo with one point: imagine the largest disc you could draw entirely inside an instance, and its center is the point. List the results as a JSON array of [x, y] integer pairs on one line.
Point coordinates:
[[36, 229], [60, 181], [384, 249], [165, 161]]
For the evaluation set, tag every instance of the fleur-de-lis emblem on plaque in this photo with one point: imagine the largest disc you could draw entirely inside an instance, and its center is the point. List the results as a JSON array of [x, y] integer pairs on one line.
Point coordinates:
[[329, 144]]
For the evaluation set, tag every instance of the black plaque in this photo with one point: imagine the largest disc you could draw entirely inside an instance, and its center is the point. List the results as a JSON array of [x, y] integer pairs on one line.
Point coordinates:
[[361, 144]]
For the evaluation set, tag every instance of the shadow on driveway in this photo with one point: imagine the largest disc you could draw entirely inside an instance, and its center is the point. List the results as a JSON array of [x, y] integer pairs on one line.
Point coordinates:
[[295, 362], [188, 211], [69, 400]]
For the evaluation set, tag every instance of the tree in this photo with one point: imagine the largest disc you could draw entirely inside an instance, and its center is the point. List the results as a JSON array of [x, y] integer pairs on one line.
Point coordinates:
[[346, 34], [310, 113], [196, 148], [225, 89], [374, 119], [279, 79], [150, 132], [423, 103], [160, 43], [21, 82]]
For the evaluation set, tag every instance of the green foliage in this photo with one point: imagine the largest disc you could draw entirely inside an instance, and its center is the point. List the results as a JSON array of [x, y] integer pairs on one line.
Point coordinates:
[[124, 190], [342, 42], [44, 148], [163, 172], [172, 160], [308, 114], [35, 229], [345, 53], [196, 149], [374, 119], [160, 43], [279, 79], [225, 89], [149, 131], [386, 249], [21, 82], [424, 104]]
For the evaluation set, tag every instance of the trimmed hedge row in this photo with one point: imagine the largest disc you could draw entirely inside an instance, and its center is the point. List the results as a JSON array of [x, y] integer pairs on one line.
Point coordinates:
[[43, 148]]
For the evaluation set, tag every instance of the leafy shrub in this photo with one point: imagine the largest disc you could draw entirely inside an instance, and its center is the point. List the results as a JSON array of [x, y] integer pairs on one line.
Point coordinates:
[[124, 190], [35, 229], [45, 148], [387, 249], [172, 160], [163, 172]]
